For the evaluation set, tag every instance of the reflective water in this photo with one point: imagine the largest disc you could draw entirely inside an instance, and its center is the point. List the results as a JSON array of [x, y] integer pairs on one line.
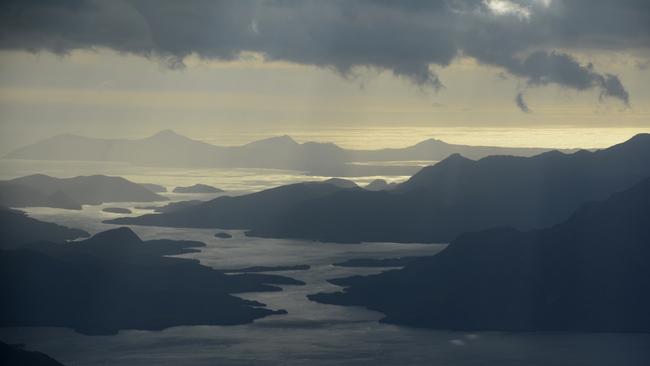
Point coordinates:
[[311, 333], [233, 180]]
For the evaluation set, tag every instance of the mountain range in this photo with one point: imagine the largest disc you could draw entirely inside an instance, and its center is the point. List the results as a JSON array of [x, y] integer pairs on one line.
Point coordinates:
[[240, 212], [436, 204], [588, 273], [40, 190], [168, 148]]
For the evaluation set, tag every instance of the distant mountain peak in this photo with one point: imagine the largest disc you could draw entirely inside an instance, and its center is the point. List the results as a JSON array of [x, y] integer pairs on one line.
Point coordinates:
[[550, 154], [637, 143], [321, 144], [641, 138], [167, 132], [379, 185], [431, 141], [645, 137], [341, 183], [284, 140], [455, 158], [166, 135], [424, 177]]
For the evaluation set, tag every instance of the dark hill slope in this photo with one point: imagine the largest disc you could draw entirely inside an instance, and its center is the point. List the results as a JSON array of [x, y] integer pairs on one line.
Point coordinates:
[[459, 195], [116, 281], [436, 205], [16, 228], [589, 273]]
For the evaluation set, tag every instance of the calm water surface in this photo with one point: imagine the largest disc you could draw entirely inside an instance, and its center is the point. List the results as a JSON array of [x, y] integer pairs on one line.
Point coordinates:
[[311, 333], [233, 180]]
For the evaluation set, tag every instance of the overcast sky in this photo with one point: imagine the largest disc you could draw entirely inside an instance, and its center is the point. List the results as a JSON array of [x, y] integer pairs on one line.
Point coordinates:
[[232, 71]]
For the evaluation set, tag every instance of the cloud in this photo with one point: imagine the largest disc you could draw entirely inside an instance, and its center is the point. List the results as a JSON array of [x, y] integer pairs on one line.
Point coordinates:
[[406, 37], [611, 86], [542, 68], [521, 103]]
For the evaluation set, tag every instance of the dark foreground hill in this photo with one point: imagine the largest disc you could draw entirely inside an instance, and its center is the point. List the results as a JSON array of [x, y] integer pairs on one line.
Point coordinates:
[[11, 355], [116, 281], [589, 273], [436, 205], [40, 190], [16, 228]]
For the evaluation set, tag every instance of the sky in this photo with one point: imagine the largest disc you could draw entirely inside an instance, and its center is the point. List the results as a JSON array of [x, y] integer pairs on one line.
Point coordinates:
[[361, 73]]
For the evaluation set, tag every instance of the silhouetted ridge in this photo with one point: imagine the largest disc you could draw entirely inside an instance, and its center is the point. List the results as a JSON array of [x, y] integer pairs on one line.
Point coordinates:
[[449, 168], [168, 148], [16, 355], [341, 183], [239, 212], [588, 273], [430, 141], [639, 144], [166, 134], [197, 188], [277, 141], [380, 185], [156, 188], [455, 159]]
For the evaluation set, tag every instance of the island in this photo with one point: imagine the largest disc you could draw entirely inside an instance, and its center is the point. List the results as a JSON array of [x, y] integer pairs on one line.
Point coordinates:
[[117, 210], [198, 188], [39, 190], [223, 235]]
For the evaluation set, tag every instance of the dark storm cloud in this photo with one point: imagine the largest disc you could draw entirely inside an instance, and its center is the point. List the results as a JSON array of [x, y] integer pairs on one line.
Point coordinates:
[[405, 37], [542, 68]]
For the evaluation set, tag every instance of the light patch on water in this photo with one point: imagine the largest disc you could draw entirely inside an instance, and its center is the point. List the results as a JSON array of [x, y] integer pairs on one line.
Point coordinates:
[[420, 163]]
